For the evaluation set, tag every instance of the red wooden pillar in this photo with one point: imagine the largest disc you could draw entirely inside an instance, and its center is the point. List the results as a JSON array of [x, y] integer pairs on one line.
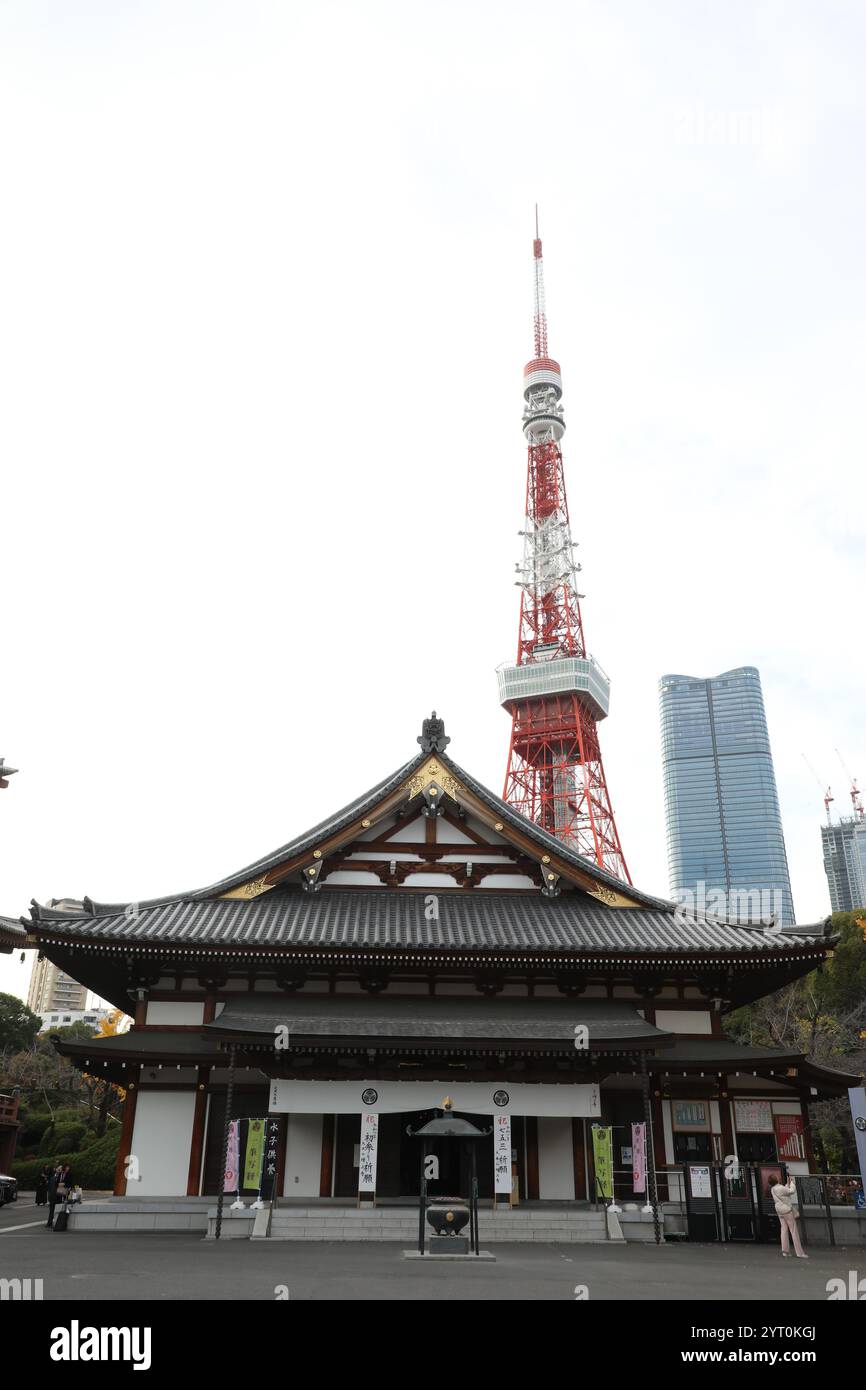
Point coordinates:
[[658, 1138], [326, 1174], [127, 1126], [579, 1152], [725, 1118], [531, 1158], [196, 1147]]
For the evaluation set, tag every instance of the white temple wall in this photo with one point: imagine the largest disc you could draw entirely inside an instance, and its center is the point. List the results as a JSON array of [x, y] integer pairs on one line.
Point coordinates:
[[176, 1015], [161, 1141], [555, 1158], [684, 1021]]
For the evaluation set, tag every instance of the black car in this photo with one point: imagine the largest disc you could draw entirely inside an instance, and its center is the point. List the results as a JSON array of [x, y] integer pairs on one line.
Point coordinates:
[[8, 1189]]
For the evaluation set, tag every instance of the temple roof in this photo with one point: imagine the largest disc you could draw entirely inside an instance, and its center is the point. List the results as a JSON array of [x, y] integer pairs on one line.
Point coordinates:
[[353, 814], [473, 920], [444, 1018], [12, 935], [344, 1022], [516, 895]]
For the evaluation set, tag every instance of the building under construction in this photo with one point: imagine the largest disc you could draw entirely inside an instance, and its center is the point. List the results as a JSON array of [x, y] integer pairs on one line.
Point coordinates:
[[844, 848]]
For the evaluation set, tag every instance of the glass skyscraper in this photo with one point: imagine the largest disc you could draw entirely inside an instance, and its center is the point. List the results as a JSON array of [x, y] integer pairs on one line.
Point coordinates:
[[726, 847]]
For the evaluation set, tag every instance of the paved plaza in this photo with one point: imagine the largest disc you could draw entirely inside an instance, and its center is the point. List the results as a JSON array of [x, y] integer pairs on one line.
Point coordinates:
[[83, 1266]]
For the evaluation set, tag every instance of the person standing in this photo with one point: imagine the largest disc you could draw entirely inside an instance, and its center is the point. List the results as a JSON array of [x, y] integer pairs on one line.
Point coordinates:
[[783, 1195], [42, 1187], [58, 1189]]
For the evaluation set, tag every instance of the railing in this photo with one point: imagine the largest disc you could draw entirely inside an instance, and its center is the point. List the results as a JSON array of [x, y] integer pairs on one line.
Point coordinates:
[[819, 1193], [737, 1205], [623, 1189], [646, 1201]]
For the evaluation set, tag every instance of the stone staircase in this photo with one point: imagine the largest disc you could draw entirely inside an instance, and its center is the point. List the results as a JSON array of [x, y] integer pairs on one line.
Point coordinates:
[[400, 1224]]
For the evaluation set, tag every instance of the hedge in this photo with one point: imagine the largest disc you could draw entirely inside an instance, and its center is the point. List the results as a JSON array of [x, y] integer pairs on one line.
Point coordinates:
[[32, 1129], [92, 1168], [63, 1138]]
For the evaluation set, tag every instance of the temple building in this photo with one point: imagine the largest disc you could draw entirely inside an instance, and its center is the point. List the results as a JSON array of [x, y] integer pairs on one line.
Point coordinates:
[[427, 940]]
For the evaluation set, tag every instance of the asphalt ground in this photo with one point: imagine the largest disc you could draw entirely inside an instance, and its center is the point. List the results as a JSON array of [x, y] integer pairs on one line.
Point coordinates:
[[175, 1266]]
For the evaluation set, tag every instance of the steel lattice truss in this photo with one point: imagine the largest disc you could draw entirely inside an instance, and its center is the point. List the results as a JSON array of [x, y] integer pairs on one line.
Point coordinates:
[[555, 774]]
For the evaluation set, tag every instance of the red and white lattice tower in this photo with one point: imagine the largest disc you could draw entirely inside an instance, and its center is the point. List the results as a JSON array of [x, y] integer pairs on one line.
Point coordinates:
[[555, 692]]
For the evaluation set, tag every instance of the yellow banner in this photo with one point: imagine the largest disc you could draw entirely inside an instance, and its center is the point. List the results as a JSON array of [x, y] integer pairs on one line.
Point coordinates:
[[602, 1153], [254, 1153]]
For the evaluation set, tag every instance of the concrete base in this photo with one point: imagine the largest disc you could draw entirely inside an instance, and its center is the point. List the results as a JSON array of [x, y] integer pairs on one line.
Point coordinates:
[[141, 1214], [448, 1245], [639, 1225], [236, 1225], [466, 1259]]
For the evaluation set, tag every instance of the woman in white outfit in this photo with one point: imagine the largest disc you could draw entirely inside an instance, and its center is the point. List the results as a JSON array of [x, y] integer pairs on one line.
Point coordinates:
[[782, 1195]]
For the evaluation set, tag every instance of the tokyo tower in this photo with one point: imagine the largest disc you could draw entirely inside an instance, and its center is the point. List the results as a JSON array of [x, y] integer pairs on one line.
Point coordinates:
[[555, 692]]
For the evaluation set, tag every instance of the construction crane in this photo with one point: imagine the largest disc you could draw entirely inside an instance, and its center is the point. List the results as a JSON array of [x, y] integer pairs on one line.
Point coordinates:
[[855, 793], [828, 795]]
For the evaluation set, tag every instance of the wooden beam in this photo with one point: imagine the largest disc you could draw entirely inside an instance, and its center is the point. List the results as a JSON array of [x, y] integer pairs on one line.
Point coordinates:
[[658, 1141], [532, 1157], [196, 1147], [725, 1118], [326, 1171], [439, 851], [127, 1126], [579, 1159]]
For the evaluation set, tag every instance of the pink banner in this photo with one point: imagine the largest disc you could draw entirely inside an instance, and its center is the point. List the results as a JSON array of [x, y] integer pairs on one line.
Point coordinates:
[[638, 1156], [233, 1158]]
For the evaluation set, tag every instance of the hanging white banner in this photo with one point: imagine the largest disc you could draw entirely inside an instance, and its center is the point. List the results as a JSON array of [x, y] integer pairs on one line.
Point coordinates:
[[231, 1177], [502, 1153], [368, 1152], [398, 1097], [638, 1157]]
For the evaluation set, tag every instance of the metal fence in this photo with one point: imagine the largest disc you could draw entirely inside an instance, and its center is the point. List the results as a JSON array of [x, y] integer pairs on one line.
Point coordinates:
[[733, 1202]]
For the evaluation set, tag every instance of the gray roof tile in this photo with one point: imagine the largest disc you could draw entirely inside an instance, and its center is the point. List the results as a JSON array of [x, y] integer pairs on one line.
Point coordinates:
[[368, 918], [440, 1017]]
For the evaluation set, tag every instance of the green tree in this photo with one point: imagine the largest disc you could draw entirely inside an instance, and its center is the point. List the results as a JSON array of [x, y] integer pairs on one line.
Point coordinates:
[[824, 1016], [19, 1025]]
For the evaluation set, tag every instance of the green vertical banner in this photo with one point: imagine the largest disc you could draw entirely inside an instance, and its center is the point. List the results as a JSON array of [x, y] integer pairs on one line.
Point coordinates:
[[254, 1153], [602, 1154]]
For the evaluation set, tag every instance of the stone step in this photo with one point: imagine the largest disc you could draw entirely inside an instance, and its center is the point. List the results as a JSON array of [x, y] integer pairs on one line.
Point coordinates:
[[348, 1224], [587, 1218]]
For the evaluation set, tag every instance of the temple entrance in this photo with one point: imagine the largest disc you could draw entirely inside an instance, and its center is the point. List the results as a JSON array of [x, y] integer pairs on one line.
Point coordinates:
[[452, 1160], [398, 1169]]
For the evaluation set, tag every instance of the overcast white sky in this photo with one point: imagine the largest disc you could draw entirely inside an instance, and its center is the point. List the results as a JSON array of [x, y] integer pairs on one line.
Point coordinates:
[[266, 301]]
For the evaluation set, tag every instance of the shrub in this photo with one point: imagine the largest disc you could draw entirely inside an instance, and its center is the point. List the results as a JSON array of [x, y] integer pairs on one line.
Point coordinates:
[[33, 1126], [27, 1170], [92, 1167], [71, 1115], [62, 1138]]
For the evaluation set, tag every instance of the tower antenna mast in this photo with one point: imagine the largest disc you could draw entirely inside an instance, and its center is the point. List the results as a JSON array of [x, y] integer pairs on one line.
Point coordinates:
[[555, 692]]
